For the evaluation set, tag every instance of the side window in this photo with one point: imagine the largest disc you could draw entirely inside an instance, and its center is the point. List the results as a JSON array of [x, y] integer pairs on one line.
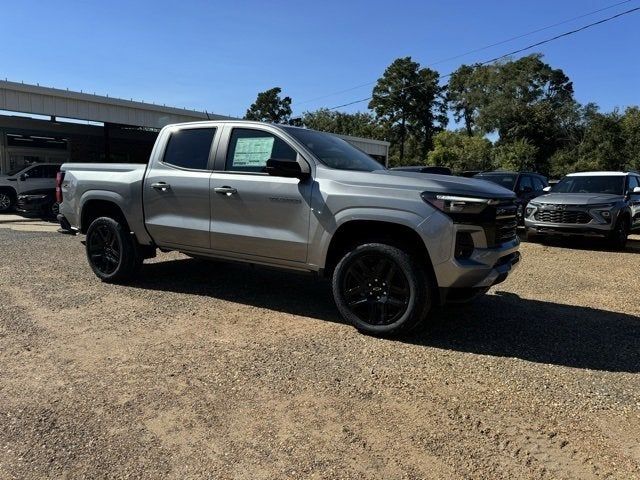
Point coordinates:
[[633, 182], [36, 172], [189, 148], [249, 150], [50, 171], [525, 181], [538, 184]]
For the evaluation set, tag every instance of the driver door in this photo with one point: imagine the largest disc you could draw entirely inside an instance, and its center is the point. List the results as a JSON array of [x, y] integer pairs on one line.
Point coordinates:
[[254, 214]]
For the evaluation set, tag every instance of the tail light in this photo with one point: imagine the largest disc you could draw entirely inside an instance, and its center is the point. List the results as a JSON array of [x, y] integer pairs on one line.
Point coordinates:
[[59, 179]]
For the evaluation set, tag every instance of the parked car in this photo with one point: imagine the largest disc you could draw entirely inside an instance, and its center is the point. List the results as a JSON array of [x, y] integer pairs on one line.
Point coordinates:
[[394, 243], [41, 203], [36, 177], [601, 204], [426, 169], [526, 186]]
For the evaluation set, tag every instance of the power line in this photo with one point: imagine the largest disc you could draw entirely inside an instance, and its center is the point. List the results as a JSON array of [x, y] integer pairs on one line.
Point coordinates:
[[480, 49], [514, 52]]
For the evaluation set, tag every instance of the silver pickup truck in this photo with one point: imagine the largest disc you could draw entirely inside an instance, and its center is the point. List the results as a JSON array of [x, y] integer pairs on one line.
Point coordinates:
[[393, 243]]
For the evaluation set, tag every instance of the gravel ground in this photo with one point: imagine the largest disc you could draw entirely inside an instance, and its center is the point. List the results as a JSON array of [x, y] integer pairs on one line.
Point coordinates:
[[212, 370]]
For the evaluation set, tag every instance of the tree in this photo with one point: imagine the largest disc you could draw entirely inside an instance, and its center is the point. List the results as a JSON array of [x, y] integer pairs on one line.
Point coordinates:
[[518, 155], [631, 132], [465, 94], [409, 101], [460, 152], [269, 107], [359, 124]]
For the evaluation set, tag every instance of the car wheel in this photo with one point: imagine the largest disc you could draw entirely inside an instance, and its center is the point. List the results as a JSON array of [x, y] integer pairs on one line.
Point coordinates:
[[6, 201], [111, 250], [381, 290], [618, 237]]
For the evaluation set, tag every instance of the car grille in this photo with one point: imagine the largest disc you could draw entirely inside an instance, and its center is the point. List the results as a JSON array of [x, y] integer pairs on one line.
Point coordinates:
[[506, 222], [562, 216]]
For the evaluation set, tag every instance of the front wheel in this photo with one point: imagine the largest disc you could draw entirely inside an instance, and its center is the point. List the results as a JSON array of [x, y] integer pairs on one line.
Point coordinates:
[[618, 237], [111, 250], [6, 201], [381, 289]]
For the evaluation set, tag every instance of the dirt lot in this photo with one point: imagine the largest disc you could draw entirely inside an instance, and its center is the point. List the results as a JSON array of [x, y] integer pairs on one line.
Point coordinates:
[[219, 371]]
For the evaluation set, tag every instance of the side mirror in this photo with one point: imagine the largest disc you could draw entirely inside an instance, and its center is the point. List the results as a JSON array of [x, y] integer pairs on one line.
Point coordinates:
[[636, 190], [546, 189], [286, 168], [23, 177]]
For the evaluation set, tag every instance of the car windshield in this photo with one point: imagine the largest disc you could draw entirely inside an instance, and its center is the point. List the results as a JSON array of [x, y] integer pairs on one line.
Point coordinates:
[[506, 180], [333, 151], [612, 184]]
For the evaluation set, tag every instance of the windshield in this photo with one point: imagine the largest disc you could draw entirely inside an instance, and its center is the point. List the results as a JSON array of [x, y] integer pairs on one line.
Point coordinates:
[[333, 151], [506, 180], [597, 184]]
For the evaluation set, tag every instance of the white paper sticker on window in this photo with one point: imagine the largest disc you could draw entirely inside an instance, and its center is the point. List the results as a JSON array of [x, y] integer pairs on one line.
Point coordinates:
[[252, 152]]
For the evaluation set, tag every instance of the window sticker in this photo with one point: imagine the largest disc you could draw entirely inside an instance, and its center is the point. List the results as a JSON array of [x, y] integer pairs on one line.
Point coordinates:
[[252, 152]]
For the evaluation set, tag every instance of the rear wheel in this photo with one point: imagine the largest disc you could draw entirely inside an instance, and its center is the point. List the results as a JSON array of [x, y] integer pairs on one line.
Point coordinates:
[[6, 201], [618, 237], [381, 289], [111, 250]]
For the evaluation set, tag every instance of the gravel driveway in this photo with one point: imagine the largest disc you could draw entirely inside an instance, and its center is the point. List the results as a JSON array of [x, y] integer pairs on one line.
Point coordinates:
[[213, 370]]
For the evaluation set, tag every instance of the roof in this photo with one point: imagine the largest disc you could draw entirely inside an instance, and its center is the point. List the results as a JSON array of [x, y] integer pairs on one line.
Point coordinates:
[[601, 174]]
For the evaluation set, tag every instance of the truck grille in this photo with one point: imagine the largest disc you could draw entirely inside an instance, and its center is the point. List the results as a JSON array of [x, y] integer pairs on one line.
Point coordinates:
[[506, 222], [562, 216]]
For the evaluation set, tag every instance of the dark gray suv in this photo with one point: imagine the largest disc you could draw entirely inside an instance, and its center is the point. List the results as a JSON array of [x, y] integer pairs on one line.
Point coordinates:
[[601, 204]]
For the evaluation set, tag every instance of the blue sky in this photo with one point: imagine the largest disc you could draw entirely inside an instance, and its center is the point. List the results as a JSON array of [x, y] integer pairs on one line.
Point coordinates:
[[218, 55]]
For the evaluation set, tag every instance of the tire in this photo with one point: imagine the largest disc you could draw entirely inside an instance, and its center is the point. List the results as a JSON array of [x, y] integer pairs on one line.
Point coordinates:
[[363, 282], [618, 236], [53, 210], [7, 201], [111, 251]]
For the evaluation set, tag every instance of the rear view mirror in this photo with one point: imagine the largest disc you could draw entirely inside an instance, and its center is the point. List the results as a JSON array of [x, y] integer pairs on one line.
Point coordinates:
[[285, 168], [546, 189]]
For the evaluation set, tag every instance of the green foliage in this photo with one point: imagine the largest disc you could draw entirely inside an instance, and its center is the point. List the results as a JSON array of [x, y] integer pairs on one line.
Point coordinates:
[[358, 124], [518, 155], [269, 107], [460, 152], [409, 101]]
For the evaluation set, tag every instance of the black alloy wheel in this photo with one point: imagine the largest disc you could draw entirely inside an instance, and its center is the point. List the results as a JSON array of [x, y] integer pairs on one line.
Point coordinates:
[[104, 249], [382, 289], [112, 251], [375, 289]]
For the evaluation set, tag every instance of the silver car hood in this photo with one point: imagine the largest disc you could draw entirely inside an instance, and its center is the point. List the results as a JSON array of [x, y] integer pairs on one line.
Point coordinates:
[[578, 198], [426, 182]]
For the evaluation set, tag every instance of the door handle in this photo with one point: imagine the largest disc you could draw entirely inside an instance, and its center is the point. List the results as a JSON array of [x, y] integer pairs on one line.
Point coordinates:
[[162, 186], [225, 190]]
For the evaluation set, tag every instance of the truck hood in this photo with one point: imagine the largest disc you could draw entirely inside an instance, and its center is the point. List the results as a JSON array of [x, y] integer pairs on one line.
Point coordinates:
[[427, 182], [578, 198]]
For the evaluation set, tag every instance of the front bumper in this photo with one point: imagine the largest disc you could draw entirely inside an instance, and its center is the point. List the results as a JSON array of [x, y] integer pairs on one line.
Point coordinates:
[[567, 229], [35, 204]]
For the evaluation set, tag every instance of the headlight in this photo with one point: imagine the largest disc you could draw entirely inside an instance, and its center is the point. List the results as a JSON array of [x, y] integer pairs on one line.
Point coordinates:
[[457, 204], [603, 210]]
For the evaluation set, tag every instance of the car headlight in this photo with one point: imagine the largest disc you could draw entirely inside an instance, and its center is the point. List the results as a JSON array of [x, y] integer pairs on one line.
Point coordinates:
[[603, 210], [457, 204]]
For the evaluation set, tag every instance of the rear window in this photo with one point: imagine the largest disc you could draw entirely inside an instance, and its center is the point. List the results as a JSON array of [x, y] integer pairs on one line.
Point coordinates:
[[504, 180], [190, 148]]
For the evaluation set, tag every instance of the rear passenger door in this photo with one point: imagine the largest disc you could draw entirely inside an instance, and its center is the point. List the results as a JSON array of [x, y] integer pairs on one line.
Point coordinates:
[[176, 189], [254, 214]]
